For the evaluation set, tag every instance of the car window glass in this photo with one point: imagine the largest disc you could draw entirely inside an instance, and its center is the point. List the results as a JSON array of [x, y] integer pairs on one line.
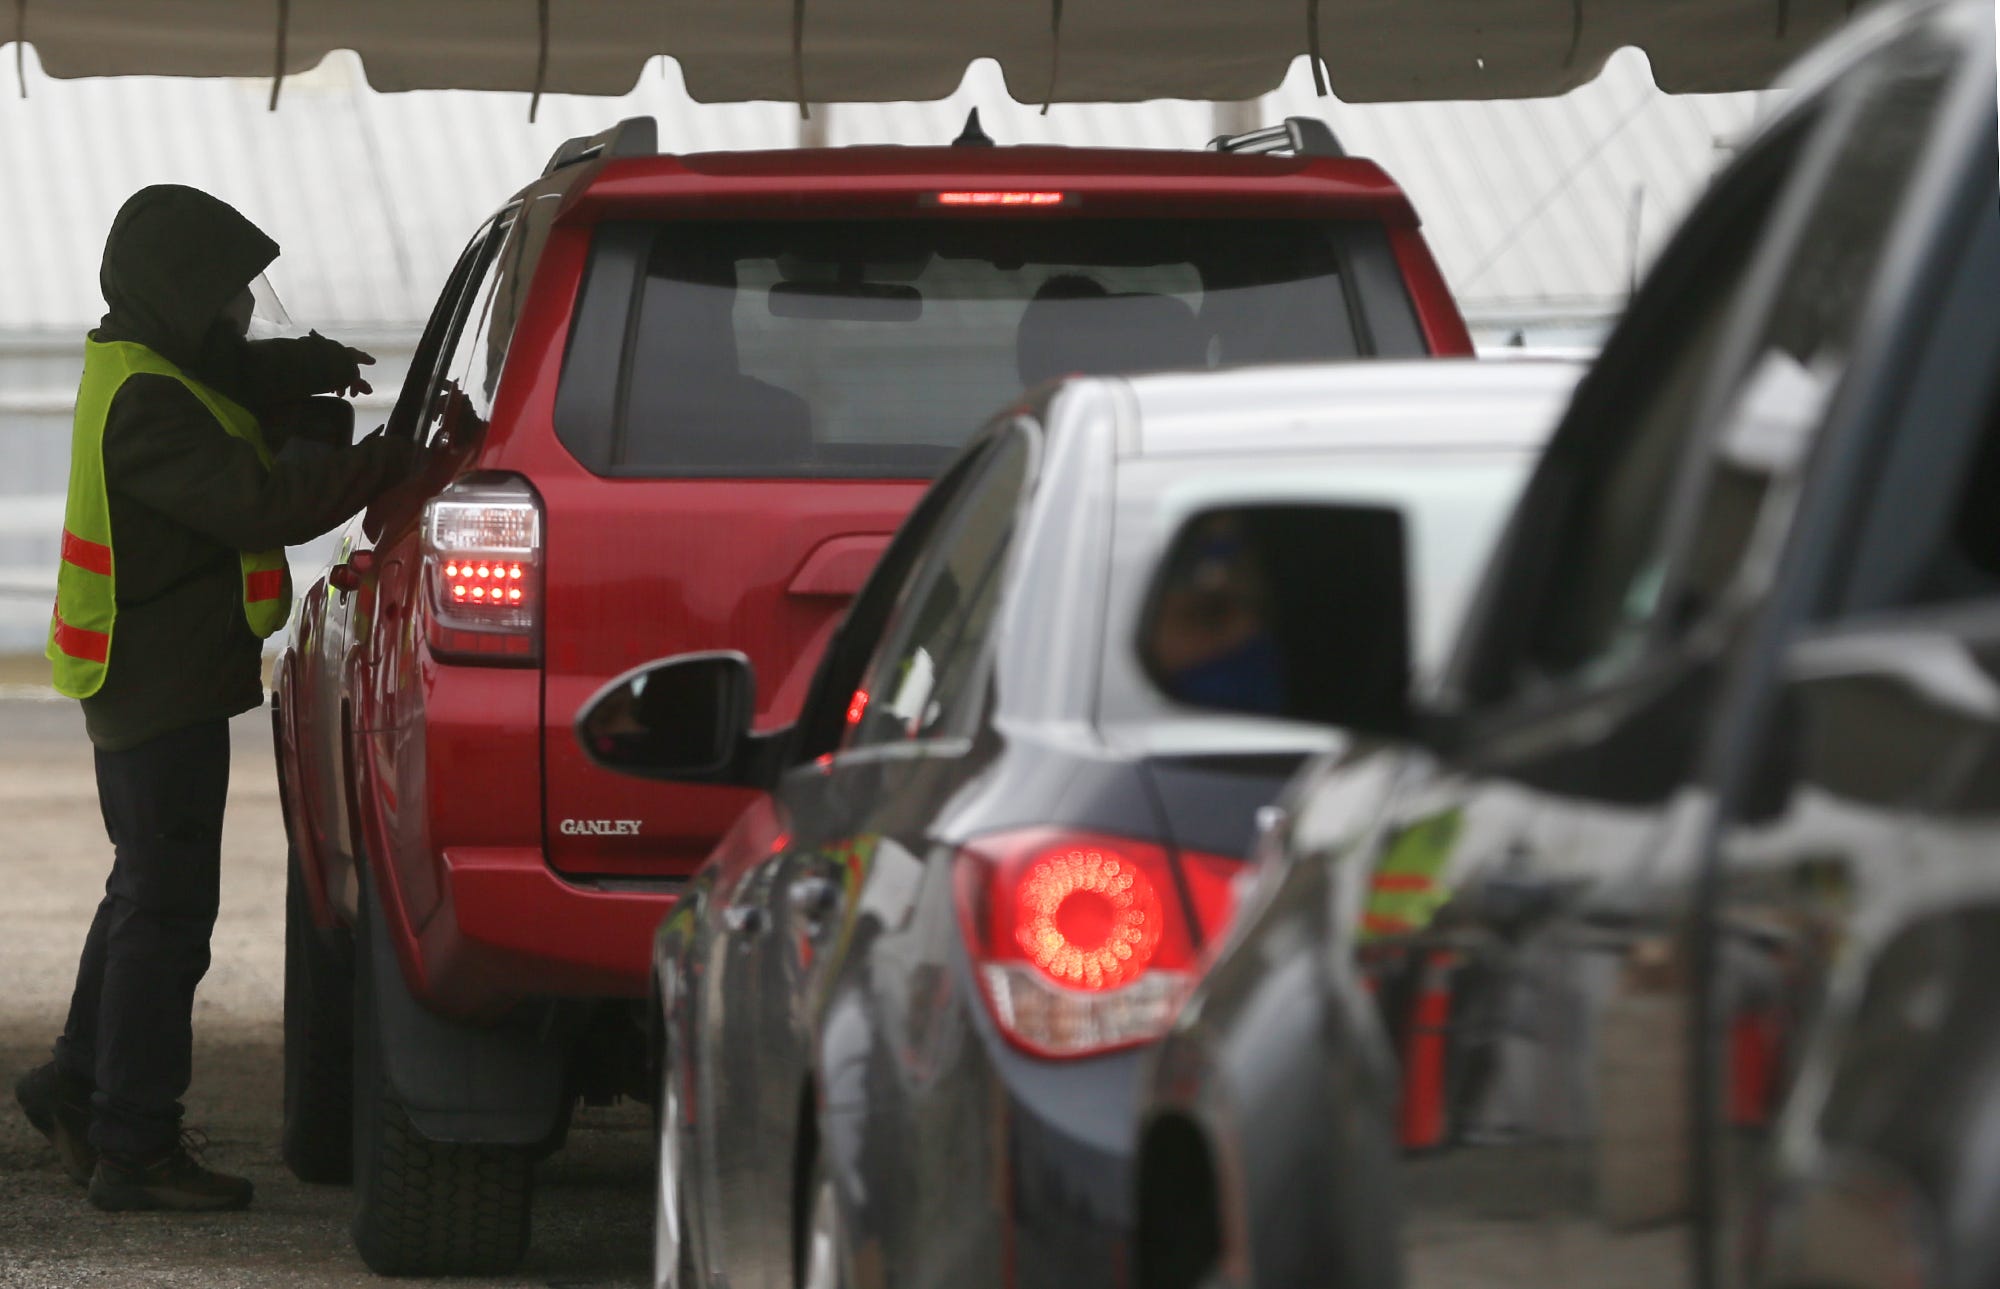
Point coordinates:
[[459, 400], [823, 723], [1772, 420], [1453, 506], [1606, 571], [923, 680], [846, 348], [414, 398]]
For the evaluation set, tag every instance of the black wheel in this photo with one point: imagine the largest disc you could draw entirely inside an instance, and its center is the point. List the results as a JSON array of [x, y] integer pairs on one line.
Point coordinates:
[[424, 1207], [318, 1138]]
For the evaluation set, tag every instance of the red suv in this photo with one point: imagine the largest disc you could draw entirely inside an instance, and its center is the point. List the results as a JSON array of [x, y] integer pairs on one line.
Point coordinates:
[[677, 403]]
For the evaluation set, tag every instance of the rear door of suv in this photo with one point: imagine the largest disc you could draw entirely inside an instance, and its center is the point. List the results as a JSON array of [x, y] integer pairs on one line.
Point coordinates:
[[756, 403]]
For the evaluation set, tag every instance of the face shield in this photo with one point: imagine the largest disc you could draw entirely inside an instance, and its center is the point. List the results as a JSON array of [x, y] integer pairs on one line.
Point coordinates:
[[268, 319]]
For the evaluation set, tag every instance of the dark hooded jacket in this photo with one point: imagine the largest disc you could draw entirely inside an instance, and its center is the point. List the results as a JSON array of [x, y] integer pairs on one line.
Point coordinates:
[[185, 496]]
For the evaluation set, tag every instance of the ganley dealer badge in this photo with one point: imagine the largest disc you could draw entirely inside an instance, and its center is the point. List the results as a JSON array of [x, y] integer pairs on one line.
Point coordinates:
[[599, 827]]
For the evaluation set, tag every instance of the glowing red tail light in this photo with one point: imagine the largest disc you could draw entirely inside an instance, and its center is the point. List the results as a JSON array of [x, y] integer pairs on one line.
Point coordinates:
[[1085, 943], [1089, 918], [482, 571], [987, 199]]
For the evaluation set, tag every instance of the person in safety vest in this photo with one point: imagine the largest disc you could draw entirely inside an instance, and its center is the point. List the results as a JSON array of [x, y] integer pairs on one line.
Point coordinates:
[[173, 571]]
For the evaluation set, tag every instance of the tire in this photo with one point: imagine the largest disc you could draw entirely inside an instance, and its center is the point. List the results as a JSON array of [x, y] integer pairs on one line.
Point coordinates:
[[318, 1138], [424, 1207], [823, 1253]]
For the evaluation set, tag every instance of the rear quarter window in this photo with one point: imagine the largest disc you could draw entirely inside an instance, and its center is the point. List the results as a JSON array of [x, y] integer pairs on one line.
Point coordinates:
[[1453, 507], [875, 349]]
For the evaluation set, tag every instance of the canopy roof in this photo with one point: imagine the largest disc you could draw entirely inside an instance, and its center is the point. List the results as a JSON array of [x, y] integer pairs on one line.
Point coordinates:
[[889, 50]]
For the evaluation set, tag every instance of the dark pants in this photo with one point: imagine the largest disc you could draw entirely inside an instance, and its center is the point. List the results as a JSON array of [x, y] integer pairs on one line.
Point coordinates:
[[131, 1017]]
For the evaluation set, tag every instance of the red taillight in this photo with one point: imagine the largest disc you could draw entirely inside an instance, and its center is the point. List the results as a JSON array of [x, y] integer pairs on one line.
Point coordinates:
[[497, 582], [1089, 917], [988, 199], [1082, 943], [482, 565], [857, 707]]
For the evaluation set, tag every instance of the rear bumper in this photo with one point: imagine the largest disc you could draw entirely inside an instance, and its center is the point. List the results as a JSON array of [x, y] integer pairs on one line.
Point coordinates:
[[508, 928], [1069, 1170]]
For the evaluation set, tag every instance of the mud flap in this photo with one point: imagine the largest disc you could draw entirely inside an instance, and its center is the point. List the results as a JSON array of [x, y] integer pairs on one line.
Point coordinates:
[[498, 1085]]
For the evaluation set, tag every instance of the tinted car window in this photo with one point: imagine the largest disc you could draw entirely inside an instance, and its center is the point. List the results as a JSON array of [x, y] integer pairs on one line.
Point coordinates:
[[460, 400], [924, 680], [1452, 508], [870, 348], [413, 400], [1790, 376], [1612, 589], [1607, 568]]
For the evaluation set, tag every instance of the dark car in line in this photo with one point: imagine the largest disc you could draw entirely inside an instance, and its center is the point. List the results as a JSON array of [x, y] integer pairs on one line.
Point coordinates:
[[1653, 943], [901, 1004]]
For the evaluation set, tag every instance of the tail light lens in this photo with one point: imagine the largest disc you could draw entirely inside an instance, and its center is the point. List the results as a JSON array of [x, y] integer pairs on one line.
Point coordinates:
[[1083, 943], [986, 199], [483, 571]]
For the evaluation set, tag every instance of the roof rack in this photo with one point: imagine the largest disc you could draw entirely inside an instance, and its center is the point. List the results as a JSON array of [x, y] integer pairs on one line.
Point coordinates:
[[635, 136], [1305, 136]]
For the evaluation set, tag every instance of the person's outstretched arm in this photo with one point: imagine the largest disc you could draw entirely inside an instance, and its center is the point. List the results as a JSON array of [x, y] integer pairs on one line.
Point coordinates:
[[270, 372], [165, 450]]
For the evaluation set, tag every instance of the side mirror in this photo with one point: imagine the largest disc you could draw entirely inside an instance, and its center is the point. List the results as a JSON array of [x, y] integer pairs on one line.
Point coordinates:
[[686, 717], [1288, 610]]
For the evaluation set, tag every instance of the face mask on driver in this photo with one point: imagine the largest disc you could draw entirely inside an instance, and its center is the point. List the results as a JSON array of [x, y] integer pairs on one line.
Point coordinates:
[[1249, 677]]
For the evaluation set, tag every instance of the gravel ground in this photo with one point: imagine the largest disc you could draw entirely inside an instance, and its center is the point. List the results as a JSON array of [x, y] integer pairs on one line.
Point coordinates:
[[593, 1200]]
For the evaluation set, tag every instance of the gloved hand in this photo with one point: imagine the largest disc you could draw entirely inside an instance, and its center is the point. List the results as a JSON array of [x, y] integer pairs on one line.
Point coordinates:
[[348, 361], [358, 385]]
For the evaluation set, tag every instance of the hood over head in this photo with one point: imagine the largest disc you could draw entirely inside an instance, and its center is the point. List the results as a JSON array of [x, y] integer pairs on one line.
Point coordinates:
[[175, 256]]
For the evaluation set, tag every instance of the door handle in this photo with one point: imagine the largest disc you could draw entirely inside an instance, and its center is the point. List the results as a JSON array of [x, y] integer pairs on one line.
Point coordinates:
[[348, 574], [814, 898]]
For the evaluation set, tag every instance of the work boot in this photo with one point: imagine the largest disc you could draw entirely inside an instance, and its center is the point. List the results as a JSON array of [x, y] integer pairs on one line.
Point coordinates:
[[58, 1105], [170, 1179]]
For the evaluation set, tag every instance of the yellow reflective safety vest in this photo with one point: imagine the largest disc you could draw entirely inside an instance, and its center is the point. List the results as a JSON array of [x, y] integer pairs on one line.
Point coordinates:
[[1409, 887], [87, 580]]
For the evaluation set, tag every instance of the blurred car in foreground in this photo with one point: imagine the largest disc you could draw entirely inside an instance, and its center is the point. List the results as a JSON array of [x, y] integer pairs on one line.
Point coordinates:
[[900, 1003], [1654, 945]]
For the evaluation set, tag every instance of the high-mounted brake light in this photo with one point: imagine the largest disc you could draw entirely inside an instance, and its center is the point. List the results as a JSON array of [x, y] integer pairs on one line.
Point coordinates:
[[482, 564], [996, 197], [1082, 943]]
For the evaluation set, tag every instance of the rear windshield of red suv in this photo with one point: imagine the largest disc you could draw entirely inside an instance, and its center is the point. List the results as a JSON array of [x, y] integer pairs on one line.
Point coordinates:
[[875, 348]]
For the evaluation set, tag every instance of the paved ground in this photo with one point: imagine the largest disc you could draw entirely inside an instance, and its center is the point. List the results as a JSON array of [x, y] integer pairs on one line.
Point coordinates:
[[592, 1221]]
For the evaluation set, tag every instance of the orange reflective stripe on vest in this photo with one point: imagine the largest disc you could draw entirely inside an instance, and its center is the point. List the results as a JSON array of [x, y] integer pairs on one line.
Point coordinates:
[[91, 646], [266, 584], [92, 557]]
